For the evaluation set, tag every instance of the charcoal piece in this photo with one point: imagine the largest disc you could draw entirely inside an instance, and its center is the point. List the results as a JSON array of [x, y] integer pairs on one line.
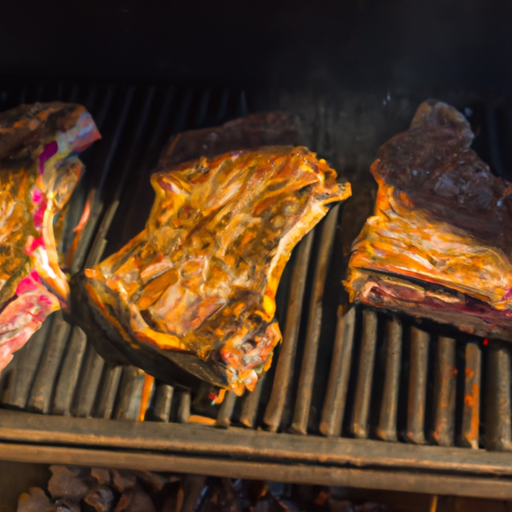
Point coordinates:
[[341, 506], [101, 500], [135, 499], [70, 483], [123, 480], [102, 475], [171, 497], [439, 243], [35, 500], [370, 507]]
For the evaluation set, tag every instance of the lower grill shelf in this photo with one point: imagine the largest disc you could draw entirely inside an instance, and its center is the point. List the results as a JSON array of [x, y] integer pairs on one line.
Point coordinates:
[[354, 397]]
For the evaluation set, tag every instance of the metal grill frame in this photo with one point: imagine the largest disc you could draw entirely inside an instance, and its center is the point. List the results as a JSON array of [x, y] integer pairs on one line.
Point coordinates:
[[75, 409]]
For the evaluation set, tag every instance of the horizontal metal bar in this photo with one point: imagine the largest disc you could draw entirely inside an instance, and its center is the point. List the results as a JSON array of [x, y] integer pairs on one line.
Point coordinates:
[[244, 443], [497, 488]]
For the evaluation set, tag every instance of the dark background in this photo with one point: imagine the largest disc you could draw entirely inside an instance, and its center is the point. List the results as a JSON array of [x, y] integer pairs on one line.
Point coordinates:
[[372, 44]]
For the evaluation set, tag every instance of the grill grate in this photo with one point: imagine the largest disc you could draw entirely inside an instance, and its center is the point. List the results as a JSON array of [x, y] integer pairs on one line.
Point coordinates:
[[355, 373]]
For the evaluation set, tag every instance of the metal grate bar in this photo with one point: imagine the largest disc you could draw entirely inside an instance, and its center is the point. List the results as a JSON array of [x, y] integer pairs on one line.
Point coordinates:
[[336, 396], [472, 387], [282, 379], [26, 367], [444, 392], [129, 394], [387, 427], [108, 391], [184, 407], [163, 402], [307, 374], [251, 403], [70, 372], [226, 410], [41, 394], [420, 342], [498, 410], [359, 426], [90, 376]]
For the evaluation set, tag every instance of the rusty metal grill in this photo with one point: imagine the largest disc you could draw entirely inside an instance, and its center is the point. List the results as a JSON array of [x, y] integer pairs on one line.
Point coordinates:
[[383, 390]]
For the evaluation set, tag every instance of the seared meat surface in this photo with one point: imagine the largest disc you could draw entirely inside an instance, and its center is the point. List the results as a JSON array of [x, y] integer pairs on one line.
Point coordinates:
[[197, 286], [38, 173], [439, 244]]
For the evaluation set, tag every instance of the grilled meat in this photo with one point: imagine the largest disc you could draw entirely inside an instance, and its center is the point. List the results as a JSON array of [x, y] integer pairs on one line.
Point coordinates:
[[439, 243], [38, 172], [193, 295]]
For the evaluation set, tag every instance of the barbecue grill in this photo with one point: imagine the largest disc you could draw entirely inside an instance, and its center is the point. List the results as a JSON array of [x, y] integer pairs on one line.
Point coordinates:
[[354, 397]]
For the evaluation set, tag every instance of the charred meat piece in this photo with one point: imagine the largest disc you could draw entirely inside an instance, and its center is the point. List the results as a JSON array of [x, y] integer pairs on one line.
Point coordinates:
[[439, 244], [38, 172], [193, 295]]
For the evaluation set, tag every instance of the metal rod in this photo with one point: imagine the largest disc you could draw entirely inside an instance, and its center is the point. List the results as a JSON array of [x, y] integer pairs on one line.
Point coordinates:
[[444, 392], [163, 401], [359, 426], [68, 377], [184, 407], [108, 391], [284, 369], [23, 375], [337, 386], [386, 429], [307, 373], [472, 389], [129, 394], [251, 403], [41, 394], [497, 405], [420, 341], [89, 381], [226, 410]]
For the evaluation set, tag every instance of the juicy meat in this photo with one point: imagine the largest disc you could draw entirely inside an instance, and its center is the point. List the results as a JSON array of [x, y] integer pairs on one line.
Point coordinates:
[[438, 245], [38, 172], [202, 277]]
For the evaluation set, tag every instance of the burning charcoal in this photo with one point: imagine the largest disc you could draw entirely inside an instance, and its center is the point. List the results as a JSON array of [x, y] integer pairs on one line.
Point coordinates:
[[70, 483], [35, 500], [102, 500], [135, 499]]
